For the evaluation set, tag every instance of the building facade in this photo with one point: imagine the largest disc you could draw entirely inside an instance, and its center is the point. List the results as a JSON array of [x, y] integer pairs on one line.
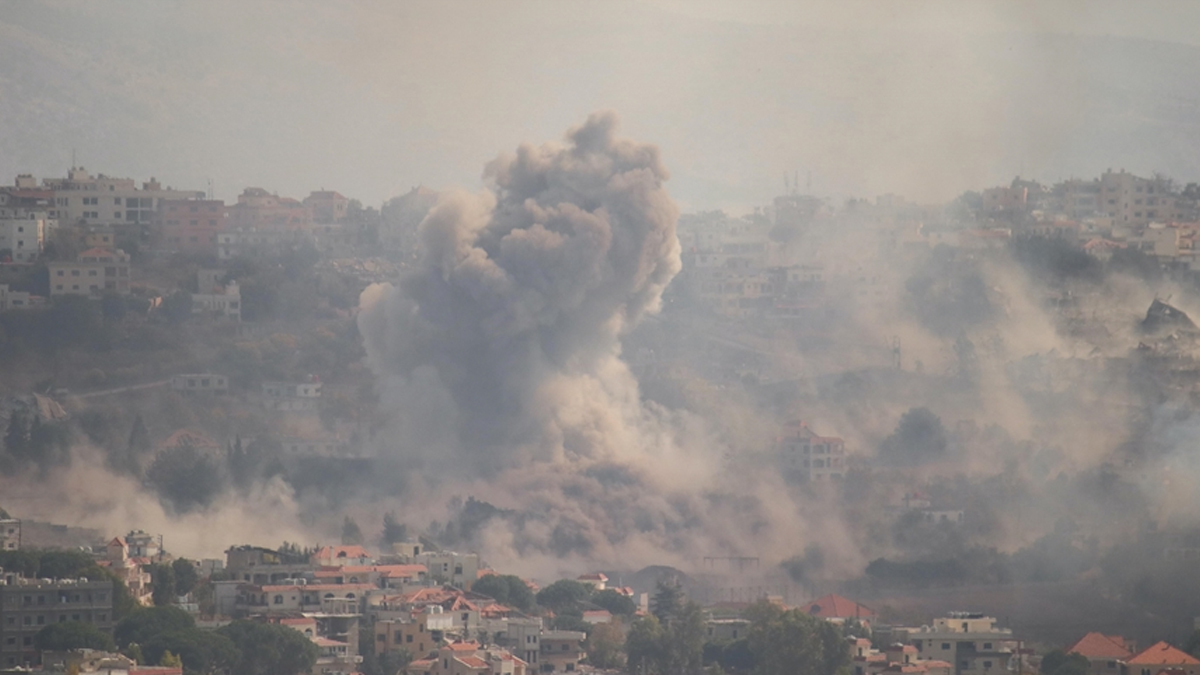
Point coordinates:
[[29, 605]]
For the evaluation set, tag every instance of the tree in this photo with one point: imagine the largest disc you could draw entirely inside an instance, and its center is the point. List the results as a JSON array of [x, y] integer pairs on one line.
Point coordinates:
[[1059, 662], [186, 477], [506, 589], [186, 576], [604, 646], [785, 642], [393, 530], [162, 578], [112, 307], [644, 646], [142, 625], [618, 604], [200, 652], [918, 438], [270, 649], [563, 594], [169, 660], [351, 534], [139, 445], [68, 635], [667, 601]]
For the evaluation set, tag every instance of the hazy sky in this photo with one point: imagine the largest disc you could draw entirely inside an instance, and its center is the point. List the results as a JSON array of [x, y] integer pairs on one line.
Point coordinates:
[[921, 98]]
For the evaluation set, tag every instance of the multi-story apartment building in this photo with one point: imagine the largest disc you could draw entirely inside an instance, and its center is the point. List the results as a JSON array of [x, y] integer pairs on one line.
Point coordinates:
[[804, 454], [94, 272], [1132, 200], [971, 642], [29, 605], [189, 225], [84, 199], [419, 633], [10, 534]]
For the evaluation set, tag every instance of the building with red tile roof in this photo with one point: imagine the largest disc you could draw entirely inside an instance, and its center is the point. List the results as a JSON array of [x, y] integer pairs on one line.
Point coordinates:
[[1162, 656], [834, 606], [1099, 646]]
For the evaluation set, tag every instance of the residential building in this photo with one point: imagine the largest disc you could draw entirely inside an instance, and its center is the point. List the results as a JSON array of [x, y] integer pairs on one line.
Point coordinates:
[[457, 569], [10, 299], [597, 580], [1163, 657], [258, 210], [418, 633], [1132, 200], [29, 605], [834, 607], [84, 199], [1106, 654], [131, 570], [23, 235], [96, 661], [971, 642], [200, 383], [226, 303], [327, 206], [10, 534], [144, 545], [562, 650], [259, 565], [188, 225], [726, 630], [292, 396], [94, 272], [809, 457], [467, 658], [339, 556]]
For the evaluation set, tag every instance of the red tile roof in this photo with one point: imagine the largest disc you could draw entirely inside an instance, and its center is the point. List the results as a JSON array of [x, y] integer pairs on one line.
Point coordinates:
[[468, 646], [1101, 646], [1163, 654], [472, 661], [836, 607]]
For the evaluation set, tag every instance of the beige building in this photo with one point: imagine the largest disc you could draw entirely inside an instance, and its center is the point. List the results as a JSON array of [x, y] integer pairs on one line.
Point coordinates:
[[1133, 200], [93, 273], [84, 199], [971, 643], [804, 454]]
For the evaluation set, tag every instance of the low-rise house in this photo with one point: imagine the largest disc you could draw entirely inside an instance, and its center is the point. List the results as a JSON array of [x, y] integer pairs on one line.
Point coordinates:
[[562, 650], [726, 630], [835, 608], [1162, 656], [597, 580], [1106, 654], [809, 457], [468, 658], [10, 299], [200, 383], [227, 302], [295, 396], [418, 633]]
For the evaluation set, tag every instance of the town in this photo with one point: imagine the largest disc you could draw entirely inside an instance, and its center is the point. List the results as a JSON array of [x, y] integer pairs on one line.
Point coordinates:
[[205, 349]]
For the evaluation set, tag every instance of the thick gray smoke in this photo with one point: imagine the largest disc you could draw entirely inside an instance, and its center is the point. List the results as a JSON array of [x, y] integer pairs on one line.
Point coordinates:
[[500, 358], [514, 312]]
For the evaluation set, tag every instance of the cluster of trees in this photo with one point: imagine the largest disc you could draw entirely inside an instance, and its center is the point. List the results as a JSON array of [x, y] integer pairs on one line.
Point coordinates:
[[173, 580], [168, 635], [568, 600], [671, 641], [31, 441]]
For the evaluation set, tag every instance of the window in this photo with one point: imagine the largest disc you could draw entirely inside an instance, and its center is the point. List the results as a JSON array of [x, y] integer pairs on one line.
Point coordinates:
[[74, 273], [408, 638], [987, 645], [987, 664], [945, 646], [279, 599]]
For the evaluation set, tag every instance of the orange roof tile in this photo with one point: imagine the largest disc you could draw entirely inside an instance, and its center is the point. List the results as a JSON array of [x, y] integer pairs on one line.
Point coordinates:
[[468, 646], [1101, 646], [1163, 654]]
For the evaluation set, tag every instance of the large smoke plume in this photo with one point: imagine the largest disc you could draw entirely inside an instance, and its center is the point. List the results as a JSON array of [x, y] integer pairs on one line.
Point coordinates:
[[500, 355]]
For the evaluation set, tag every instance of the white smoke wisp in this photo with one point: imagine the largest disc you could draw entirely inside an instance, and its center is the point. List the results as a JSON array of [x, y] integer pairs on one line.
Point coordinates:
[[499, 357]]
